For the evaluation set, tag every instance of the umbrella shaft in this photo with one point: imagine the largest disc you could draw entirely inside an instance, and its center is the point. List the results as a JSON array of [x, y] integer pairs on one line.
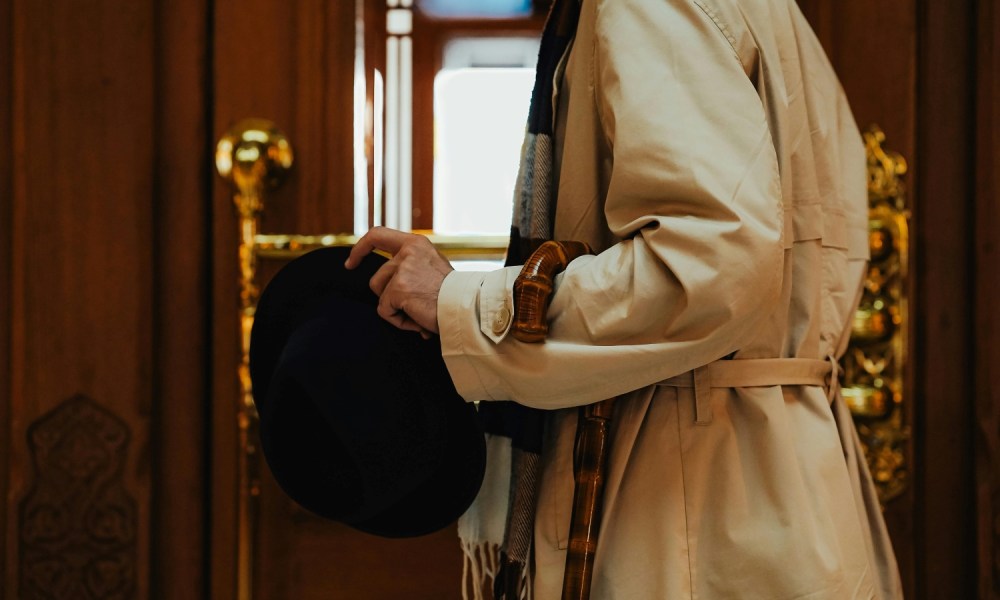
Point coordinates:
[[589, 468]]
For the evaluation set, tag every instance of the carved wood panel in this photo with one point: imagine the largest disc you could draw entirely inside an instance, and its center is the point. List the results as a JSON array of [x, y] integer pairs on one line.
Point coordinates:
[[78, 521]]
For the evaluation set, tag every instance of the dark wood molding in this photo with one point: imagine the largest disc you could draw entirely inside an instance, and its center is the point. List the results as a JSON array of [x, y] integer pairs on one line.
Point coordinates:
[[225, 394], [987, 283], [943, 315], [182, 277]]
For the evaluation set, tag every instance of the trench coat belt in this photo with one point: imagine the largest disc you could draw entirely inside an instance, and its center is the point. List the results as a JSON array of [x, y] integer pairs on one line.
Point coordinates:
[[754, 372]]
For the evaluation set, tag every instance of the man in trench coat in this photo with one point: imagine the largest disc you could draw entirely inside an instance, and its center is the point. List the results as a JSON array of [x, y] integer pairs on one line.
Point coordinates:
[[706, 150]]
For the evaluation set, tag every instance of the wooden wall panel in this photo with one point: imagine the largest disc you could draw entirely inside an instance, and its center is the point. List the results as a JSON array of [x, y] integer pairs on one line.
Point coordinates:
[[80, 293]]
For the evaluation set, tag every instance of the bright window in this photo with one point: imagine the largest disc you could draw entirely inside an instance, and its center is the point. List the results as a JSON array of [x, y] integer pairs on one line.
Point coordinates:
[[481, 99]]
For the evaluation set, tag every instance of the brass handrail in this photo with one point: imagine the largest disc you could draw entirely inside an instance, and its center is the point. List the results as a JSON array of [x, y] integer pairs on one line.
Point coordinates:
[[454, 247]]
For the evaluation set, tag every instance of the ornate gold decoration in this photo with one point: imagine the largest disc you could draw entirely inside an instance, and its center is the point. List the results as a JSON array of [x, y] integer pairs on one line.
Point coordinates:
[[875, 362], [255, 157]]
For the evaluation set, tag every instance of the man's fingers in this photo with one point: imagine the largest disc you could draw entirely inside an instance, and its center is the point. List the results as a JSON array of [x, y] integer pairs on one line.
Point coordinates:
[[378, 238], [382, 277], [398, 318], [409, 283], [387, 312]]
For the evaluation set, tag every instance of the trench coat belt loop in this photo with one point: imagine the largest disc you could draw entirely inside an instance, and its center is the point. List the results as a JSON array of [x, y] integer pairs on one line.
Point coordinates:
[[754, 372], [833, 383]]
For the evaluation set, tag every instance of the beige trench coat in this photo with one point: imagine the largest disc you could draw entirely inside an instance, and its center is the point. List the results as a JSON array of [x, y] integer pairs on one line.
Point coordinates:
[[706, 148]]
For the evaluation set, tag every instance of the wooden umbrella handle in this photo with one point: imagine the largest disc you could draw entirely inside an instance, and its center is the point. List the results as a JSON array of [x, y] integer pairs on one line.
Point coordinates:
[[533, 289], [534, 286]]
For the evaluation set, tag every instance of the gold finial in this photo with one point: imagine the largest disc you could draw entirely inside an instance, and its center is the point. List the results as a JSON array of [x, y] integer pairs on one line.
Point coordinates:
[[254, 156]]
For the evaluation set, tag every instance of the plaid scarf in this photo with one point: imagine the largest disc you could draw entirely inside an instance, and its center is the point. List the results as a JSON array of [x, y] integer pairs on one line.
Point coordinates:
[[498, 529]]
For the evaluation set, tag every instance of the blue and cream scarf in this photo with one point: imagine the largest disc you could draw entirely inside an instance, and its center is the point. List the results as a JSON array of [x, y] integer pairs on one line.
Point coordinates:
[[497, 531]]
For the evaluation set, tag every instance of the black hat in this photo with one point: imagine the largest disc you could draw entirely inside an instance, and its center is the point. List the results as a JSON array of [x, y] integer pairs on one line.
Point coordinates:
[[359, 420]]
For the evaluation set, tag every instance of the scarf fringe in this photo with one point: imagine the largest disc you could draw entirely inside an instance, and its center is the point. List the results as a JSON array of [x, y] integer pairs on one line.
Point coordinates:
[[481, 563], [480, 567]]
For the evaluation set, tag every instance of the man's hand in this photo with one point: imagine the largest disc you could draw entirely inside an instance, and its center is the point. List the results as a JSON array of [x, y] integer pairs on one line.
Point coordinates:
[[408, 285]]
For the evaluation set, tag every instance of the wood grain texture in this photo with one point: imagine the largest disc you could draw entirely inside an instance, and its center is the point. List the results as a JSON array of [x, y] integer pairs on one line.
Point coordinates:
[[308, 558], [291, 63], [987, 331], [6, 232], [80, 277], [253, 75]]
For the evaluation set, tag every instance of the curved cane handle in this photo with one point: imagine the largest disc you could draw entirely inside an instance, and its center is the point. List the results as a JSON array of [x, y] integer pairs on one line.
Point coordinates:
[[533, 287]]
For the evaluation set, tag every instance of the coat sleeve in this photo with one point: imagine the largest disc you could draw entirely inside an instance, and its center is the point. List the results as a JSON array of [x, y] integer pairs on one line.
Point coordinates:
[[693, 192]]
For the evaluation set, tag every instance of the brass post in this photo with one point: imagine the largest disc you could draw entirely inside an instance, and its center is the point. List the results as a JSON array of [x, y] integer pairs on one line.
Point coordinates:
[[254, 156]]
